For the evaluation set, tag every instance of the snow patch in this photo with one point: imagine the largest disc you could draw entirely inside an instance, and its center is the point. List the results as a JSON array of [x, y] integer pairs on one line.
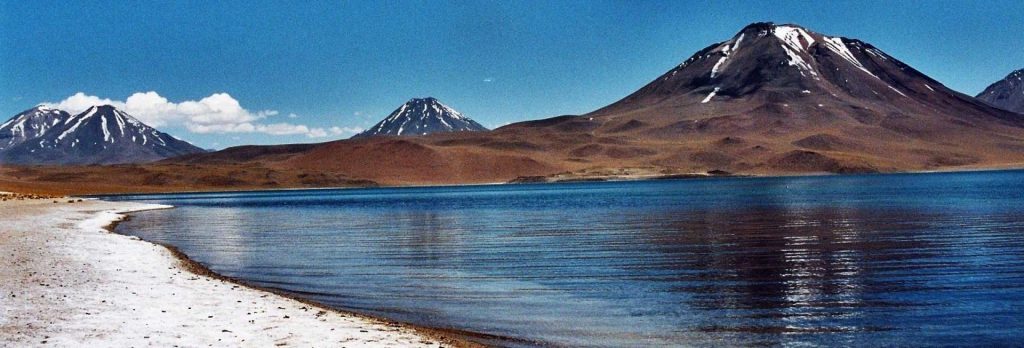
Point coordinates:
[[794, 37], [896, 90], [714, 69], [72, 129], [799, 62], [835, 44], [120, 123], [875, 52], [727, 50], [710, 95], [106, 132], [7, 123], [736, 45]]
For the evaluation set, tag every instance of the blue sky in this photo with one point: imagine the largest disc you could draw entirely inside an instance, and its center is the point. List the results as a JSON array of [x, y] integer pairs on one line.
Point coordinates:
[[296, 71]]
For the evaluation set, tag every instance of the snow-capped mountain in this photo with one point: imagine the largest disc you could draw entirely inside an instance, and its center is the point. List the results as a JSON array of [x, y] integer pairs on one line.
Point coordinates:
[[789, 62], [29, 124], [1006, 94], [99, 135], [422, 116], [785, 98]]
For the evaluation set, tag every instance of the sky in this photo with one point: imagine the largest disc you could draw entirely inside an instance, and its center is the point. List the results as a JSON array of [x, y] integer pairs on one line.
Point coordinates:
[[227, 73]]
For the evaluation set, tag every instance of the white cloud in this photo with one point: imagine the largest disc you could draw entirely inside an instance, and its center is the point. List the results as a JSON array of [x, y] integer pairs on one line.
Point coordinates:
[[345, 130], [489, 79], [317, 133], [80, 101], [283, 129], [148, 107], [221, 128], [218, 113], [332, 131]]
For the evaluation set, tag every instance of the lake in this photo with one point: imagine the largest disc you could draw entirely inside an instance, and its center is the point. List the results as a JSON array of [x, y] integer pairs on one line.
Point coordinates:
[[871, 260]]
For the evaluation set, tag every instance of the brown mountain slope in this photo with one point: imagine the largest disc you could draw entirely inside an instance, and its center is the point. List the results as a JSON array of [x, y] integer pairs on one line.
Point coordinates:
[[766, 98], [773, 99]]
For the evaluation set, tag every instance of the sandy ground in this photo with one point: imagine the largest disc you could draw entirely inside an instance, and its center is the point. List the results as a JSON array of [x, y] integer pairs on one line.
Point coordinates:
[[67, 281]]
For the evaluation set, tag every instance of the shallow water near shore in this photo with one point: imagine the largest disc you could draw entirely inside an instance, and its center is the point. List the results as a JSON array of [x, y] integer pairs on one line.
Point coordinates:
[[873, 260]]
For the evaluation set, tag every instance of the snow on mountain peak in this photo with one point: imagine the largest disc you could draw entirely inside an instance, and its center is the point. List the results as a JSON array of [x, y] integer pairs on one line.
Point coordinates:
[[45, 108], [795, 37], [422, 116], [29, 124], [783, 58], [100, 134]]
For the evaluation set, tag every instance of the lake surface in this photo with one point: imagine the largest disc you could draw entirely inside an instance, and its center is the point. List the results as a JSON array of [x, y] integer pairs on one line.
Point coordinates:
[[875, 260]]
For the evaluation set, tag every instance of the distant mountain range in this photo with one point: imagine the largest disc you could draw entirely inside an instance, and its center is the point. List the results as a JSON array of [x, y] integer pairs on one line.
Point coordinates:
[[771, 99], [1007, 94], [99, 135], [422, 116]]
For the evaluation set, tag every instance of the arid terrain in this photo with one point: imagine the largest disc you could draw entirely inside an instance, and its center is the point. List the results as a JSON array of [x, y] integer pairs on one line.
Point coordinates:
[[515, 153]]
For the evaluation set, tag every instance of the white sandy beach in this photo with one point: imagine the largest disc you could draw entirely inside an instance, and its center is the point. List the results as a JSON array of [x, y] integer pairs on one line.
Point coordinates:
[[67, 281]]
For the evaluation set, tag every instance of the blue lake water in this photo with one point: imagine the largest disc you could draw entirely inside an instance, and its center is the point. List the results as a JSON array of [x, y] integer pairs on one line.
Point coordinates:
[[874, 260]]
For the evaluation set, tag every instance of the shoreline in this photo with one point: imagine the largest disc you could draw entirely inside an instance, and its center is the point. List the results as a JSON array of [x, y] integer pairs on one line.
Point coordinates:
[[447, 336], [70, 280]]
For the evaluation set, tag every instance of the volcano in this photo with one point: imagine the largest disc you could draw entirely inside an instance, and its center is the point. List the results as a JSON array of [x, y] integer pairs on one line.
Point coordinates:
[[767, 63], [98, 135], [782, 98], [422, 116]]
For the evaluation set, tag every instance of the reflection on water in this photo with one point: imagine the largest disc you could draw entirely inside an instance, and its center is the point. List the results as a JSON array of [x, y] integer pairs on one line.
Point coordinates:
[[865, 260]]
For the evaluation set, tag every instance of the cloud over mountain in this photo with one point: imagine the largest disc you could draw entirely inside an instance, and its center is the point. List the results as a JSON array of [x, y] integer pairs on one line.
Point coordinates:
[[218, 113]]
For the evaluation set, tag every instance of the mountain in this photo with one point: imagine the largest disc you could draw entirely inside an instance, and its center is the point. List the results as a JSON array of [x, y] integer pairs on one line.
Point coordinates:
[[768, 64], [1006, 94], [781, 98], [422, 116], [99, 135], [29, 124], [771, 99]]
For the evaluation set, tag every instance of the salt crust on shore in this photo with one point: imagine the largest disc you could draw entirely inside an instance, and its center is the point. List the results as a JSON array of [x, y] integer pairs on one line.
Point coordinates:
[[66, 281]]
